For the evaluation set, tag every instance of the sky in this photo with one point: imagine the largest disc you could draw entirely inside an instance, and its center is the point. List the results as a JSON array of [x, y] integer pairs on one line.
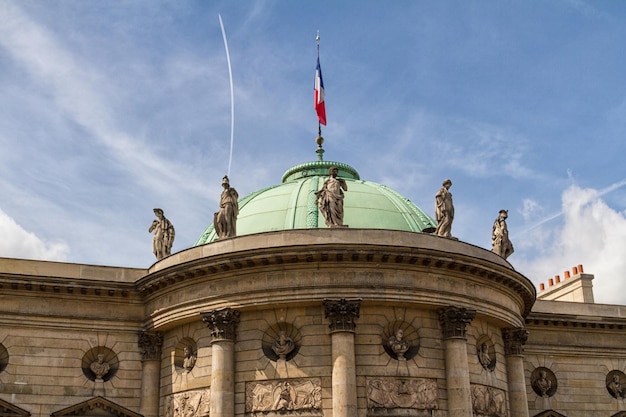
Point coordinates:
[[110, 109]]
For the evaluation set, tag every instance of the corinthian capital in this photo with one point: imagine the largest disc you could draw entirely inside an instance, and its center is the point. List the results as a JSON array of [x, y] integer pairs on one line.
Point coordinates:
[[342, 314], [223, 323], [150, 345], [514, 338], [454, 321]]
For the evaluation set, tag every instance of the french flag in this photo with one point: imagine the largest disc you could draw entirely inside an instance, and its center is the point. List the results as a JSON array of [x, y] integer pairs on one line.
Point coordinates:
[[320, 108]]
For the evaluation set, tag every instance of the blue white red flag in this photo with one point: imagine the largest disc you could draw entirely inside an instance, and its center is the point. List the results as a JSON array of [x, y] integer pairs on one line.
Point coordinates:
[[320, 108]]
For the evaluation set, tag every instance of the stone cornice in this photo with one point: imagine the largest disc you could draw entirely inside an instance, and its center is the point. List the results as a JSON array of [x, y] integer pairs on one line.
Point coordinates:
[[71, 287], [420, 252], [572, 321]]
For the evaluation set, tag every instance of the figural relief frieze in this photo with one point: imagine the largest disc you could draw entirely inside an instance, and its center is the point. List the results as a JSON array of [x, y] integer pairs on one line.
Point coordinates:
[[195, 403], [285, 396], [488, 401], [407, 393]]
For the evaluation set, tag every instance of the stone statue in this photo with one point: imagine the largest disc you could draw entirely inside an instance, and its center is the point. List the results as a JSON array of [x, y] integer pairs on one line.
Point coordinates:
[[484, 358], [283, 346], [500, 236], [542, 384], [163, 235], [444, 210], [330, 198], [100, 367], [398, 344], [190, 359], [225, 220], [615, 387]]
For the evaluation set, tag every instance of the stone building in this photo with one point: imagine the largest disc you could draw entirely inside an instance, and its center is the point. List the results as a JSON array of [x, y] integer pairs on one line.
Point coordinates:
[[290, 318]]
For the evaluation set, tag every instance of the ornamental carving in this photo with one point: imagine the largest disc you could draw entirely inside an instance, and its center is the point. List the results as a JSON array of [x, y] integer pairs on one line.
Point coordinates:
[[488, 401], [410, 393], [342, 314], [287, 396], [514, 338], [150, 345], [454, 321], [194, 403], [223, 323]]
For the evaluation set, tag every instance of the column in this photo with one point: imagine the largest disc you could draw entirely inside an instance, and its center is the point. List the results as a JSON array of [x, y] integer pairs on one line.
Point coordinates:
[[342, 315], [150, 346], [223, 324], [454, 321], [513, 339]]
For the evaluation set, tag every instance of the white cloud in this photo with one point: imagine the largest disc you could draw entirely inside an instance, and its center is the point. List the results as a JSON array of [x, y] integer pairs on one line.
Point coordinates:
[[593, 234], [19, 243]]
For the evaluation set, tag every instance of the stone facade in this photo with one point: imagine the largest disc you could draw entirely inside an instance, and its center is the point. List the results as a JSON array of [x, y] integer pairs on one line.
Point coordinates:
[[299, 323]]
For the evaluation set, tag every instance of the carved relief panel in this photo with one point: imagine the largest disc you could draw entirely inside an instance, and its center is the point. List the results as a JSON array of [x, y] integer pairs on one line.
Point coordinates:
[[195, 403], [401, 393], [285, 396]]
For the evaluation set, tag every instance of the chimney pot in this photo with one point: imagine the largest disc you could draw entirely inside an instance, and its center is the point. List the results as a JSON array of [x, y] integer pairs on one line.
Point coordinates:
[[575, 270], [580, 268], [557, 279], [542, 286], [566, 274], [550, 282]]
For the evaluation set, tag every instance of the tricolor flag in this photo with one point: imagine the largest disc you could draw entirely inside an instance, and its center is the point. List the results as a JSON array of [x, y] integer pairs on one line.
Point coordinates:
[[320, 109]]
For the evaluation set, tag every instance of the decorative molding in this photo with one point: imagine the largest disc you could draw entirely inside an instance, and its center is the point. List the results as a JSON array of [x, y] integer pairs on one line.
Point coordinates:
[[454, 321], [9, 410], [342, 314], [514, 338], [285, 396], [223, 323], [85, 408], [404, 393], [150, 345]]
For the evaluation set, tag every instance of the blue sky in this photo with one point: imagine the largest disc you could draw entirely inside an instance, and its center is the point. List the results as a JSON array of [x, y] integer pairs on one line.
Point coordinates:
[[109, 109]]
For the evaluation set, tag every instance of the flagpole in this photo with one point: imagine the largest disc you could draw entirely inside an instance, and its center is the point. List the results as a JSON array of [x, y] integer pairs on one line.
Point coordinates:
[[319, 140]]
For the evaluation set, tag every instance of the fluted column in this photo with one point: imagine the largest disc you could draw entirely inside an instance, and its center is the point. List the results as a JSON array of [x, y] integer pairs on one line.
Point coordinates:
[[223, 324], [454, 321], [150, 346], [514, 339], [342, 315]]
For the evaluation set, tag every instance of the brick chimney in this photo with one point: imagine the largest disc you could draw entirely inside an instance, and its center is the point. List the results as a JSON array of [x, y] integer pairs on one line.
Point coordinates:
[[576, 287]]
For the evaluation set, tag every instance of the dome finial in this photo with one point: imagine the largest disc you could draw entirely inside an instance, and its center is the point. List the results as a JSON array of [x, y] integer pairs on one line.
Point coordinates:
[[319, 140]]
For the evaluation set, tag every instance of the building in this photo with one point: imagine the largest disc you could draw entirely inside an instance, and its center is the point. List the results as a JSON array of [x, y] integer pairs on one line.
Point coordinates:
[[290, 318]]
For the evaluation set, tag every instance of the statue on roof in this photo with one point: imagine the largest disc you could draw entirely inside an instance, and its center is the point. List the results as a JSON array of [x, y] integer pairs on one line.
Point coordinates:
[[163, 235], [225, 220], [444, 210], [330, 198], [500, 236]]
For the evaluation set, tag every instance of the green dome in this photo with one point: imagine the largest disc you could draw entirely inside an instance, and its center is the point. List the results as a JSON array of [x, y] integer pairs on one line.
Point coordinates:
[[291, 205]]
